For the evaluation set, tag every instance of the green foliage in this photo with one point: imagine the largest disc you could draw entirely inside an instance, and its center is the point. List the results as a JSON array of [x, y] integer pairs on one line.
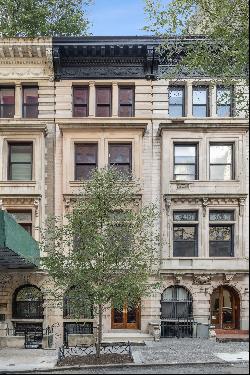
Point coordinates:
[[34, 18], [106, 247], [224, 52]]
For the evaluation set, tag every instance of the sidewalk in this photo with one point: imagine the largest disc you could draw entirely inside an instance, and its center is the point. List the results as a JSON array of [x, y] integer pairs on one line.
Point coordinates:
[[167, 351]]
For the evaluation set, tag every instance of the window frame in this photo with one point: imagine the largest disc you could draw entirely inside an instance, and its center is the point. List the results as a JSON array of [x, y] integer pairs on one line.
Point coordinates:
[[103, 105], [132, 106], [29, 223], [232, 144], [176, 88], [76, 164], [231, 88], [130, 144], [2, 106], [224, 223], [187, 223], [75, 105], [199, 87], [25, 143], [25, 105], [183, 144]]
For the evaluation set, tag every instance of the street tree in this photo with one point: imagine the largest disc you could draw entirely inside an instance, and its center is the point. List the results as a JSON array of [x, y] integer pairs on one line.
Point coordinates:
[[34, 18], [219, 47], [105, 250]]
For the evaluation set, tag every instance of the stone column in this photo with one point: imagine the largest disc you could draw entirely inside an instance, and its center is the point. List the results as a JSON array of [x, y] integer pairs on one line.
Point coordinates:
[[115, 99], [213, 101], [18, 101], [189, 99], [92, 99]]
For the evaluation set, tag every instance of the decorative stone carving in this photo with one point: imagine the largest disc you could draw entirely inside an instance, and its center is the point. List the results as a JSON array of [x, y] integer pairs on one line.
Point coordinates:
[[167, 204], [177, 278], [36, 205], [242, 202], [1, 205], [205, 202], [228, 277], [4, 280], [203, 279], [49, 65]]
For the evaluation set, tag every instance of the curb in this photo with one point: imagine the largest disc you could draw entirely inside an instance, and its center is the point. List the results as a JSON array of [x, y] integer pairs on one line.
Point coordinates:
[[123, 365]]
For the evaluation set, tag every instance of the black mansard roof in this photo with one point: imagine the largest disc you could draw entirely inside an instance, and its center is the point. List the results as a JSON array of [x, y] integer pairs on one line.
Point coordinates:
[[96, 57]]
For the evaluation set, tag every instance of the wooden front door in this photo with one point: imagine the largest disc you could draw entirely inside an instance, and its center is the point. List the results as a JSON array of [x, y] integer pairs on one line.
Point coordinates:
[[225, 308], [127, 317]]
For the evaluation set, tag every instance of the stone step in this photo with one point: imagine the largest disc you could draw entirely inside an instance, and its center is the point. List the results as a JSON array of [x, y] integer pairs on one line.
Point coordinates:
[[122, 336]]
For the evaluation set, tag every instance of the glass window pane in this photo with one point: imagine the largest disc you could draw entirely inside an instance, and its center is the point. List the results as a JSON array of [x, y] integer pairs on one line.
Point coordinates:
[[126, 111], [103, 111], [86, 153], [221, 172], [200, 95], [123, 168], [220, 249], [8, 111], [182, 294], [168, 294], [184, 233], [185, 169], [30, 95], [83, 172], [220, 233], [185, 216], [176, 96], [175, 110], [184, 249], [21, 172], [21, 153], [184, 177], [223, 96], [80, 95], [221, 215], [126, 95], [21, 216], [200, 111], [80, 111], [221, 154], [224, 110], [103, 95], [7, 96], [120, 153], [185, 154], [30, 111]]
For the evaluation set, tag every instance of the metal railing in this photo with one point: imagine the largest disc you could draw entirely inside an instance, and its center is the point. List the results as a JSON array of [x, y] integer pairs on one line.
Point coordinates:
[[179, 328]]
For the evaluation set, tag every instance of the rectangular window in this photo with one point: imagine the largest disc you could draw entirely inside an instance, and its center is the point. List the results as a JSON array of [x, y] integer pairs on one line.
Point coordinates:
[[126, 101], [200, 101], [176, 98], [30, 102], [7, 102], [23, 218], [185, 162], [221, 234], [85, 160], [224, 101], [80, 101], [185, 234], [103, 101], [221, 161], [20, 161], [120, 156]]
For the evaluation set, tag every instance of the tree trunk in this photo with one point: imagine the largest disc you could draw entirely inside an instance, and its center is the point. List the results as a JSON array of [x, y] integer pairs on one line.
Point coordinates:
[[99, 338]]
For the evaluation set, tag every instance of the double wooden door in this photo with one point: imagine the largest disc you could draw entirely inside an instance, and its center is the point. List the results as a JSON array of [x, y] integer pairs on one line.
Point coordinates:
[[127, 317], [225, 308]]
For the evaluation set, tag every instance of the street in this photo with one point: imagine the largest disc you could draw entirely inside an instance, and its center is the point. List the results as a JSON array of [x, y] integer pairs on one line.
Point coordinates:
[[239, 368]]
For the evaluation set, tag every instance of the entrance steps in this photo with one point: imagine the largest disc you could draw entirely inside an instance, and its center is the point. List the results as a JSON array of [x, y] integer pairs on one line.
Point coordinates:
[[233, 335], [133, 336]]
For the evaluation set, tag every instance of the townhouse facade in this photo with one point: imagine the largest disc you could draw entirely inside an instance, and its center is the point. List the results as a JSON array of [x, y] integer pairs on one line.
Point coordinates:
[[99, 101]]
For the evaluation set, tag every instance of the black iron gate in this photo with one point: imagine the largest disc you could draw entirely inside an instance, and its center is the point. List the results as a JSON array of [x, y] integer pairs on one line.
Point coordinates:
[[33, 334], [76, 329], [179, 328]]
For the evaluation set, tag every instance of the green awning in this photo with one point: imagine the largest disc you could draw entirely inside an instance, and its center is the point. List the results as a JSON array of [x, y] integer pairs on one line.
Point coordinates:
[[17, 248]]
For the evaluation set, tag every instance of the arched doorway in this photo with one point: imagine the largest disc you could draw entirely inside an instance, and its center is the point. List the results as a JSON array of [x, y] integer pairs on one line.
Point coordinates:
[[225, 308], [27, 311], [176, 312]]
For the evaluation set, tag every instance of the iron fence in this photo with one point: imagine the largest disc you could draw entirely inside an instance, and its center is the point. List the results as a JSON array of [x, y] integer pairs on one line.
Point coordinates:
[[179, 328]]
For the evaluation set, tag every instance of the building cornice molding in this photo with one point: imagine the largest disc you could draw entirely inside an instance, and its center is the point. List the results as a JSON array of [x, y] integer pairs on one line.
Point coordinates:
[[111, 124], [214, 124], [24, 127]]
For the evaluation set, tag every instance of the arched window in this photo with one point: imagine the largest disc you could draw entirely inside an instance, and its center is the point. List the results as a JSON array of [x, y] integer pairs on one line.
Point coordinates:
[[28, 303], [73, 307], [176, 303]]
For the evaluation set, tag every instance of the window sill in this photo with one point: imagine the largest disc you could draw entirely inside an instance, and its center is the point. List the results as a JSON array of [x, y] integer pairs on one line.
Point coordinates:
[[18, 182]]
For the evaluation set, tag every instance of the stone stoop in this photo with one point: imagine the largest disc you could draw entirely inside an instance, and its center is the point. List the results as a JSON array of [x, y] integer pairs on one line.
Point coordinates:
[[136, 337], [234, 335]]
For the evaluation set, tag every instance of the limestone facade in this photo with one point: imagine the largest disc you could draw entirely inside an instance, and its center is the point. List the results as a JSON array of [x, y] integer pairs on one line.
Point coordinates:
[[153, 133]]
